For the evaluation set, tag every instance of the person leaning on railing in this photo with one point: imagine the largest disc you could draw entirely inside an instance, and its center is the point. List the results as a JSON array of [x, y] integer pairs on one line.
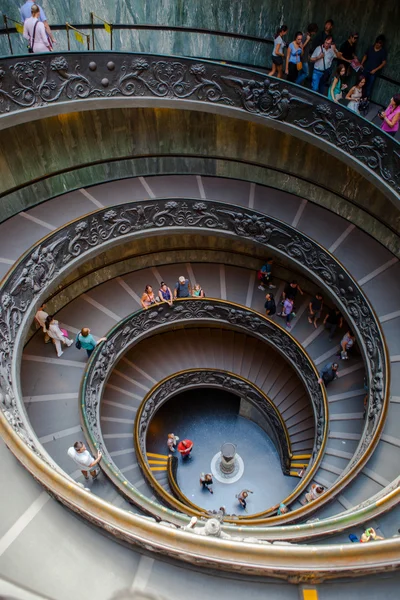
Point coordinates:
[[26, 12]]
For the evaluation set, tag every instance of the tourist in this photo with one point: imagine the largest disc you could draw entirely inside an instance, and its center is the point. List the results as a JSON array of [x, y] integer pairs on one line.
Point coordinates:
[[270, 307], [148, 298], [283, 509], [171, 441], [40, 318], [373, 61], [164, 293], [346, 344], [347, 51], [278, 52], [264, 275], [314, 493], [206, 481], [242, 498], [355, 94], [322, 57], [328, 374], [287, 312], [291, 290], [315, 308], [307, 42], [35, 32], [370, 535], [391, 116], [182, 288], [57, 335], [83, 458], [320, 38], [332, 321], [337, 86], [294, 55], [26, 12], [198, 291], [185, 447], [86, 341]]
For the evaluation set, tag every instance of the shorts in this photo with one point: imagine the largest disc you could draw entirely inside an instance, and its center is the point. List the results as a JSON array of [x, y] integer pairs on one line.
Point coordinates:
[[316, 314], [277, 60]]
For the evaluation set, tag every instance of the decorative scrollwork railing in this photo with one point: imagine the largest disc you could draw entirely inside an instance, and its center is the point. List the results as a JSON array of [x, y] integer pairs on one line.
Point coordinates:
[[48, 262], [52, 79], [200, 310]]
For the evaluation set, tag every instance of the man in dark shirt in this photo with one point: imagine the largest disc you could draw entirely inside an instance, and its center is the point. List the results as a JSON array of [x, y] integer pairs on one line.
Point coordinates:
[[332, 320], [270, 308], [328, 373], [373, 61], [314, 309], [182, 288], [320, 38], [347, 51], [291, 290]]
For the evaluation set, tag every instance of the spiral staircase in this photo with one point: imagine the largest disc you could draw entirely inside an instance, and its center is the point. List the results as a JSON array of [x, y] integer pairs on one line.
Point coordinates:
[[103, 291]]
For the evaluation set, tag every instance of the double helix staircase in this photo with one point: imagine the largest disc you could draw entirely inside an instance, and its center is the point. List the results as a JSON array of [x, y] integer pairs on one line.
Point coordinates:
[[51, 386]]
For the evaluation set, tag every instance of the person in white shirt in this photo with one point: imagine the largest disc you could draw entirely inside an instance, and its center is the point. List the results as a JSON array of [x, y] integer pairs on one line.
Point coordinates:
[[57, 334], [322, 57], [83, 458], [35, 32], [40, 319]]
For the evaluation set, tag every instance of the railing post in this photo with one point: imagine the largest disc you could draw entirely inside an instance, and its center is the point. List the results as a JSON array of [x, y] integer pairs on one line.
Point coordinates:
[[111, 36], [8, 33], [68, 40], [92, 21]]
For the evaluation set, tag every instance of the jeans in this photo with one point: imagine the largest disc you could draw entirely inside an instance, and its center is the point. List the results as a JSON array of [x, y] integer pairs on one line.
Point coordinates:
[[303, 74], [316, 80], [89, 352], [369, 84], [289, 317]]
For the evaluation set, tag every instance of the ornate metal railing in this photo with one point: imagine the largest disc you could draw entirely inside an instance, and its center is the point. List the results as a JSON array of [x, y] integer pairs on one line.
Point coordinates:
[[48, 262], [49, 80], [200, 310], [213, 378]]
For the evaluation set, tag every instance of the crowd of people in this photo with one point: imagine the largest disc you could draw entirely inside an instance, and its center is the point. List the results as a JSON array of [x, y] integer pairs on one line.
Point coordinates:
[[314, 57]]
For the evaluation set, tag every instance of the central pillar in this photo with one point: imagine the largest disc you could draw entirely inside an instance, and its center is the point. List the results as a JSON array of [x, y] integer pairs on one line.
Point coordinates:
[[228, 453]]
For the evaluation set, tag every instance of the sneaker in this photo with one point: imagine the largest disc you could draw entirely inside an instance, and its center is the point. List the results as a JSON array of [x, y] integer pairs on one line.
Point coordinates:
[[262, 288], [288, 326], [272, 287], [61, 353]]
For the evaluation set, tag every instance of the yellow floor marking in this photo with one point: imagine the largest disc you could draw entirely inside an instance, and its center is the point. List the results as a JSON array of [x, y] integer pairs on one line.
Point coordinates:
[[158, 468], [294, 474], [158, 462], [310, 595], [299, 465], [151, 454], [300, 456]]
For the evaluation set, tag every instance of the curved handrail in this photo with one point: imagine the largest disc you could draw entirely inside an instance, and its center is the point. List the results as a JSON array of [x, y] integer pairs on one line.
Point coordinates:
[[48, 261], [50, 81], [205, 310], [187, 379]]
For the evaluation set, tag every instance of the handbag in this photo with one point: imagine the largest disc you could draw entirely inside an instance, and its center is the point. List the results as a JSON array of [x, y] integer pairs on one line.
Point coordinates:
[[299, 65], [78, 342], [30, 46], [64, 332]]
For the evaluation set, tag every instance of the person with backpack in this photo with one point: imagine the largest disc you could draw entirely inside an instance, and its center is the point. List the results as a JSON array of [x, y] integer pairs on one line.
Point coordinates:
[[322, 57], [328, 374], [86, 341]]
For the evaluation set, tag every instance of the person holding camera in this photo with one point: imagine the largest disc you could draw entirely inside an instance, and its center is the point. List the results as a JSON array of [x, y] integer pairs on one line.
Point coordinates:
[[391, 116]]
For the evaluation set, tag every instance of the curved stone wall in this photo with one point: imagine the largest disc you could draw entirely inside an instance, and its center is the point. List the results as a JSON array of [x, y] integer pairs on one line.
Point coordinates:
[[102, 143], [259, 18]]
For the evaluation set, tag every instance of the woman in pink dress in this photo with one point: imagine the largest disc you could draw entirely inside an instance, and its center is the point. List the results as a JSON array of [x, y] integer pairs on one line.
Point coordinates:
[[391, 116]]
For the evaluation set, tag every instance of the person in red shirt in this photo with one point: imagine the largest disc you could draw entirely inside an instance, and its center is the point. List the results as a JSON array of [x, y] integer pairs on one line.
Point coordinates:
[[185, 447]]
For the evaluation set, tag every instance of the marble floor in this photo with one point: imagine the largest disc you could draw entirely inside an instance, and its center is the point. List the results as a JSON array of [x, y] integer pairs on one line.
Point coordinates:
[[209, 418]]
